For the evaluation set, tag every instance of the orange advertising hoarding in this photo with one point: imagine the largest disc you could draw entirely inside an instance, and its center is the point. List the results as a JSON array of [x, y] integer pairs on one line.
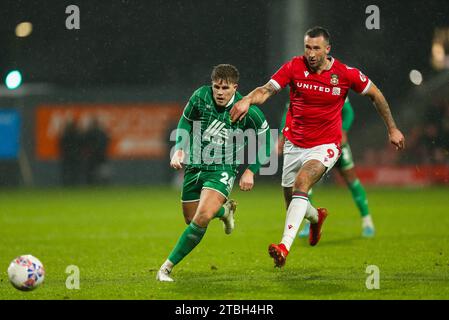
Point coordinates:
[[135, 130]]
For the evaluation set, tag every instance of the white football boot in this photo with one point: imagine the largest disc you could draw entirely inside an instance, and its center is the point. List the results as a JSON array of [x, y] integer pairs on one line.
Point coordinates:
[[164, 275], [228, 218]]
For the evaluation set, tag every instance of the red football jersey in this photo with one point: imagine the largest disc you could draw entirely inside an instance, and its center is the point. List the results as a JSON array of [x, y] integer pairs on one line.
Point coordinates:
[[314, 115]]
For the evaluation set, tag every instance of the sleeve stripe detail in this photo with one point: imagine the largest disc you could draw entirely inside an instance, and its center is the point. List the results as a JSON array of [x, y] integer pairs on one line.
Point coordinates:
[[275, 84], [367, 87], [260, 132], [258, 116], [254, 123]]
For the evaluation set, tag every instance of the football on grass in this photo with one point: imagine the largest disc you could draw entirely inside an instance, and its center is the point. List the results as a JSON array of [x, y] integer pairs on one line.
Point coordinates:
[[26, 272]]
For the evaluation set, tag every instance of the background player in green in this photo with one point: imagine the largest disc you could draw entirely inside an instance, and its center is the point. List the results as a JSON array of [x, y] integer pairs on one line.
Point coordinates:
[[345, 166], [205, 131]]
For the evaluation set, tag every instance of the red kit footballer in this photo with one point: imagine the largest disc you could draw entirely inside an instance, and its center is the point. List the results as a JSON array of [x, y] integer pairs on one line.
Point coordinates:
[[319, 85]]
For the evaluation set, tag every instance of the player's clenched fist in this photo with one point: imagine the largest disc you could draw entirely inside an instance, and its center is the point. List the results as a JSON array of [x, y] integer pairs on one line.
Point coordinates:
[[247, 180], [397, 138], [177, 160]]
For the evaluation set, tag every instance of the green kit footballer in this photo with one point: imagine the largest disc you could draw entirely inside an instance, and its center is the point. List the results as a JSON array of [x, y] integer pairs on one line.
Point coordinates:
[[211, 147]]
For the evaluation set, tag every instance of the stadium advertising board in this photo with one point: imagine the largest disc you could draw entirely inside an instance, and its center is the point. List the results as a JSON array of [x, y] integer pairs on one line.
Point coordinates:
[[136, 131], [9, 134]]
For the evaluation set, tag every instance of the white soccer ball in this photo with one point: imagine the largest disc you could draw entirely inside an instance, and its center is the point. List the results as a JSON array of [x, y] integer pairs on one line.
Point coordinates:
[[26, 272]]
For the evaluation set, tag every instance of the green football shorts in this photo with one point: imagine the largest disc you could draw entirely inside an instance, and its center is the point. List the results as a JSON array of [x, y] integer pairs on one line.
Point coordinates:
[[196, 180], [345, 162]]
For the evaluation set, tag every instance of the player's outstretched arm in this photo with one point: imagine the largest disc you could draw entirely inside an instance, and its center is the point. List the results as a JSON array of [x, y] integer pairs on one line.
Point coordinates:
[[177, 160], [258, 96], [182, 142], [382, 107]]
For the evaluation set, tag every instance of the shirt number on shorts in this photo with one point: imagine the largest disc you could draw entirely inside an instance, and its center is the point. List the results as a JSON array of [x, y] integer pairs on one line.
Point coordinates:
[[225, 180], [330, 153]]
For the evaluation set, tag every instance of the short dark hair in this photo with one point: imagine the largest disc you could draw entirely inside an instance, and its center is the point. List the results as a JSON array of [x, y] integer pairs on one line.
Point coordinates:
[[318, 32], [226, 72]]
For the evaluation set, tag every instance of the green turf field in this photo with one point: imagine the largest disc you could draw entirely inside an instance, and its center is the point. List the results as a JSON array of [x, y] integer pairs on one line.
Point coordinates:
[[118, 237]]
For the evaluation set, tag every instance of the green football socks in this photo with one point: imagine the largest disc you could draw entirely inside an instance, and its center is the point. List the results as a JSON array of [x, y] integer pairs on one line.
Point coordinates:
[[359, 196], [190, 238], [220, 213]]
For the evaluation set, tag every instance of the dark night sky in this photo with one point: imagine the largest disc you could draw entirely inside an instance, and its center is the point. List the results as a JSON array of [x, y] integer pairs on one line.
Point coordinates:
[[176, 42], [134, 42]]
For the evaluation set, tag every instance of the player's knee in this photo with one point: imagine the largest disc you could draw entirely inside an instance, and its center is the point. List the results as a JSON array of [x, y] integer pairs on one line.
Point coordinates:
[[203, 216], [301, 185]]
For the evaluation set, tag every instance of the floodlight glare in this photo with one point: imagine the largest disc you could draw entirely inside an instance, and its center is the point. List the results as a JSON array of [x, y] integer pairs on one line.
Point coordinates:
[[24, 29], [13, 80], [416, 77]]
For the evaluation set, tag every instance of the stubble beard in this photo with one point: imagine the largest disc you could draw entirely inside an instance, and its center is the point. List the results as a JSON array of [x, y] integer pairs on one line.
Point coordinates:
[[320, 65]]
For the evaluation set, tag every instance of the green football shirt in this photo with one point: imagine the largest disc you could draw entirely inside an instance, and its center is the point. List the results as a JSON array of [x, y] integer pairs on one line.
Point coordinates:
[[218, 144]]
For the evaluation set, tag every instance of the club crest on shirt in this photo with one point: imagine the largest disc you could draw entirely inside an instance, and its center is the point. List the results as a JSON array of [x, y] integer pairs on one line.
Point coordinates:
[[334, 79]]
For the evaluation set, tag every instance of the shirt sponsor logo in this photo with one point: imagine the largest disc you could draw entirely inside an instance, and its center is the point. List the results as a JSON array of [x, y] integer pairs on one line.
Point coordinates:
[[314, 87], [216, 132], [336, 91]]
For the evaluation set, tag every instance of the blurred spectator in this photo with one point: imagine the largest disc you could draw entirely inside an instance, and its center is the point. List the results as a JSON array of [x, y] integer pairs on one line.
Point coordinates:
[[94, 150], [70, 149], [445, 127], [413, 153], [370, 157], [427, 141], [433, 144]]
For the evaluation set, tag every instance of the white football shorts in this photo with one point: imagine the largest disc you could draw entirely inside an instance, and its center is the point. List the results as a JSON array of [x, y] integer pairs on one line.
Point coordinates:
[[295, 157]]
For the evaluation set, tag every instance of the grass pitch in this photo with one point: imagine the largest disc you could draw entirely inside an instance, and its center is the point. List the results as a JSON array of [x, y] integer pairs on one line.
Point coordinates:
[[118, 238]]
